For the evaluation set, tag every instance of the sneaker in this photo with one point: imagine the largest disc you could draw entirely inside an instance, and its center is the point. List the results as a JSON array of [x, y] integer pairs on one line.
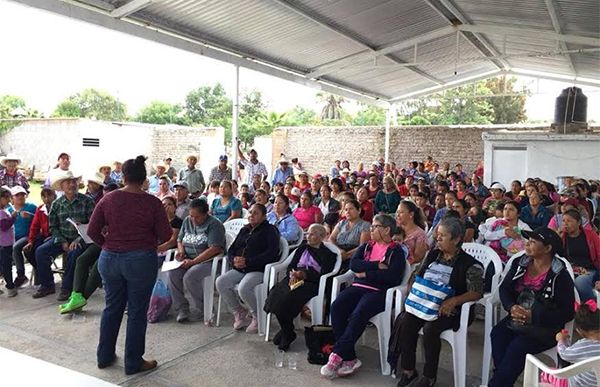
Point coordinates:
[[329, 370], [241, 319], [76, 302], [253, 327], [348, 367], [43, 292], [424, 381], [20, 281], [405, 380], [183, 316], [11, 292], [63, 295]]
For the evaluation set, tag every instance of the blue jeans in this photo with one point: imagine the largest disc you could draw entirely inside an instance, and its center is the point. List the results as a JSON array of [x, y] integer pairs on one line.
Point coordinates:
[[509, 349], [350, 313], [45, 254], [585, 285], [6, 265], [128, 279]]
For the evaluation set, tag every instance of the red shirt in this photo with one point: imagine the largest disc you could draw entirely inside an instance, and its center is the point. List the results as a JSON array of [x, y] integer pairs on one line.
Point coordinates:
[[133, 222], [306, 217], [367, 208], [39, 225]]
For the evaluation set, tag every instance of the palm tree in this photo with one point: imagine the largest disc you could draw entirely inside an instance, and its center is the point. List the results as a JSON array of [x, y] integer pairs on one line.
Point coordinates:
[[333, 106]]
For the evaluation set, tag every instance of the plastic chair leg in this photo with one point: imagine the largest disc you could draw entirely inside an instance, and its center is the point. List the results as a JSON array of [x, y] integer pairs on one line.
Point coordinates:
[[218, 322], [487, 345], [209, 294], [383, 333]]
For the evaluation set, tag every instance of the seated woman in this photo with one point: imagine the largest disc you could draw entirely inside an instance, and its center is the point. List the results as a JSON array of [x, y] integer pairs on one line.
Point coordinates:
[[534, 213], [428, 210], [282, 218], [387, 200], [311, 260], [373, 186], [337, 187], [537, 292], [471, 232], [256, 245], [410, 219], [362, 195], [582, 250], [164, 188], [350, 232], [202, 237], [326, 203], [226, 207], [378, 265], [307, 213], [556, 222], [446, 265], [505, 234]]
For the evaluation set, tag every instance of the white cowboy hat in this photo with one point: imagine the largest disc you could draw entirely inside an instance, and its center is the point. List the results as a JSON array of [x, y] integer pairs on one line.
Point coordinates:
[[10, 156], [97, 178], [161, 164], [283, 160], [64, 175]]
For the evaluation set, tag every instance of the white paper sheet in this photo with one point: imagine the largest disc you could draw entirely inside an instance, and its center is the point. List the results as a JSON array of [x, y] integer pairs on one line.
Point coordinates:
[[171, 265]]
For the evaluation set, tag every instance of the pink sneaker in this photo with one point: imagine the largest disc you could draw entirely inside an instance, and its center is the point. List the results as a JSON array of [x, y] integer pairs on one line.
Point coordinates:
[[348, 367], [241, 319], [253, 327], [329, 370]]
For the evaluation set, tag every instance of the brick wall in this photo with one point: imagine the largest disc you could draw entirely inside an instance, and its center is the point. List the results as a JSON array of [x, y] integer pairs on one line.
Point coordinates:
[[318, 147]]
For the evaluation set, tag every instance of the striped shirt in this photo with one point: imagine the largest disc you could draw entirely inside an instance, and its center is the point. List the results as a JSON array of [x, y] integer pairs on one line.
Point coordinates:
[[583, 349], [254, 169]]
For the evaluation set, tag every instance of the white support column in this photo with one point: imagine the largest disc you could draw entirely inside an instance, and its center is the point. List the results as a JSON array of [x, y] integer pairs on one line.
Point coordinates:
[[391, 111], [234, 123]]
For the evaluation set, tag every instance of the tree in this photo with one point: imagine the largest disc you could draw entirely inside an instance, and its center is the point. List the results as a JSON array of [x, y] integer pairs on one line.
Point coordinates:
[[369, 115], [509, 107], [209, 106], [332, 110], [92, 103], [300, 116], [459, 107], [158, 112], [252, 121], [11, 104]]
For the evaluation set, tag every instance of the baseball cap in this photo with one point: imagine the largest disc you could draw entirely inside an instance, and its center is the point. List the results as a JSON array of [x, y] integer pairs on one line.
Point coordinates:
[[182, 184], [223, 158], [547, 237]]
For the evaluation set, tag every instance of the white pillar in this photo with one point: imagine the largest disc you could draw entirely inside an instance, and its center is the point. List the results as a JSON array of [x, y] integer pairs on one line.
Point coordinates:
[[390, 116], [234, 123]]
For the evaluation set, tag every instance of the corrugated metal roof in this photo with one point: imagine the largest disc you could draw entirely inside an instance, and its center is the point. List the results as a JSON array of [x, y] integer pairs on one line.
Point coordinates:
[[339, 41]]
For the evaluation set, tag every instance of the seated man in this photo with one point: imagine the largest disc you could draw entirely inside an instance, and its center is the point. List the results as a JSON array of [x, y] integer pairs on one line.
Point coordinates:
[[183, 201], [65, 239], [39, 231], [201, 238], [154, 180], [256, 245]]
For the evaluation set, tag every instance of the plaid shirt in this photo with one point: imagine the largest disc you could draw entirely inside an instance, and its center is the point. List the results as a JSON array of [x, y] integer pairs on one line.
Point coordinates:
[[79, 209], [12, 180]]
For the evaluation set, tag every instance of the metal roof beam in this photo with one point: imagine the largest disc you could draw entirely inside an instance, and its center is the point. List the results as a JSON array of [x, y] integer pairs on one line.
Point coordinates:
[[449, 11], [533, 33], [394, 47], [131, 7], [554, 77], [557, 28], [335, 29], [96, 16]]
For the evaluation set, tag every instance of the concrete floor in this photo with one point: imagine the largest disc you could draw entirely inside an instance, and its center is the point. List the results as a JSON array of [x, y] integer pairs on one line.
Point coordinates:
[[188, 354]]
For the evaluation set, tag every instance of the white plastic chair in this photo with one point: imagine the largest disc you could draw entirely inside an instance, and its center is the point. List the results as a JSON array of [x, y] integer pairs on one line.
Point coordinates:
[[486, 256], [382, 321], [495, 300], [235, 225], [260, 290], [245, 213], [315, 304], [597, 293], [209, 282], [533, 365]]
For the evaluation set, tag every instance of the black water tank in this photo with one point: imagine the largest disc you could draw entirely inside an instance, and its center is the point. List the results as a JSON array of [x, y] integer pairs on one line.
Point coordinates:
[[571, 106]]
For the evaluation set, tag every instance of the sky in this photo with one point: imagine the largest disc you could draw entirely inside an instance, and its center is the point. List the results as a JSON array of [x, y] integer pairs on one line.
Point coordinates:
[[47, 57]]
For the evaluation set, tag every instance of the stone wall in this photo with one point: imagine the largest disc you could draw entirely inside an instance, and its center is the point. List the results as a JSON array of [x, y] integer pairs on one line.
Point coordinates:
[[318, 147]]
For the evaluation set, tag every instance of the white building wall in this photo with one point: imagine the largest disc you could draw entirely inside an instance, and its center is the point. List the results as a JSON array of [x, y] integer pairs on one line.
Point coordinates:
[[547, 156]]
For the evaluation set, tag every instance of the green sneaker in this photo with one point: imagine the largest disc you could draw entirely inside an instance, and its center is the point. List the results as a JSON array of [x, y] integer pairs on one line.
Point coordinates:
[[76, 302]]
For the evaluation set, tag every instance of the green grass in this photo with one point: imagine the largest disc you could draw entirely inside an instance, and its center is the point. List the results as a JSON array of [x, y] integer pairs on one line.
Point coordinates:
[[34, 192]]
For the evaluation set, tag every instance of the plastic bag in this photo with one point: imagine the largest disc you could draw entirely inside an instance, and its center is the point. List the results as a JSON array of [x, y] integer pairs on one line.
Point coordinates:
[[160, 302]]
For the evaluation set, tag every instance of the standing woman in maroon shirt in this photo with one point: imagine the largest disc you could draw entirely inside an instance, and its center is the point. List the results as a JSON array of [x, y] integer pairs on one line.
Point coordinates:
[[129, 224]]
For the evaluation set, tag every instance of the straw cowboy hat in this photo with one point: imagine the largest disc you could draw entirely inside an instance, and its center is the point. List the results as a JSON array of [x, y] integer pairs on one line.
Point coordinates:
[[283, 160], [63, 176], [97, 178], [8, 157], [161, 164]]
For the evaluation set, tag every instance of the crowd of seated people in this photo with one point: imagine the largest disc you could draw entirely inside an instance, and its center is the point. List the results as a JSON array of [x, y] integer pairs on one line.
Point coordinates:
[[383, 220]]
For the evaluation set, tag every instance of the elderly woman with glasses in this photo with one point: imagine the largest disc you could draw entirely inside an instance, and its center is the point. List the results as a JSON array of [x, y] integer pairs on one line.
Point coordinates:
[[378, 265]]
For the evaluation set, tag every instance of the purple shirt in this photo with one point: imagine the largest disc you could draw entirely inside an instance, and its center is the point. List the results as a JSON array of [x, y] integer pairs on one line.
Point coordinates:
[[307, 261], [7, 229]]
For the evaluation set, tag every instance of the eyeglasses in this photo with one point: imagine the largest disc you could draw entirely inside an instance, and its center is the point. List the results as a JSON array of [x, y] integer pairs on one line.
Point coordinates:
[[375, 226]]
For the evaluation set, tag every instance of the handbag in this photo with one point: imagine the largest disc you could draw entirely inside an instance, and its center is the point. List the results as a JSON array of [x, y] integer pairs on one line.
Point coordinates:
[[319, 342], [426, 297], [276, 294]]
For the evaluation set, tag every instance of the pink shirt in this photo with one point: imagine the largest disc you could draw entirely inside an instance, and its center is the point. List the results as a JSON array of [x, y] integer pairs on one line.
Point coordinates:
[[533, 283], [378, 252], [414, 239], [125, 221], [306, 217]]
